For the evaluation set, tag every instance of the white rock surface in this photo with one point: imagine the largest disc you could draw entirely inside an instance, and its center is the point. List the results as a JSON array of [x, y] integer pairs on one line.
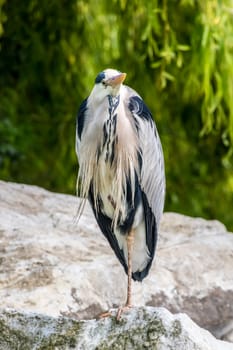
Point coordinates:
[[140, 328], [51, 265]]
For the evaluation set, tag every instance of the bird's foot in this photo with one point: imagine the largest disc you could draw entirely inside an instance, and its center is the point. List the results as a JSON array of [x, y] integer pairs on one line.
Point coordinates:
[[122, 309], [104, 315], [110, 313]]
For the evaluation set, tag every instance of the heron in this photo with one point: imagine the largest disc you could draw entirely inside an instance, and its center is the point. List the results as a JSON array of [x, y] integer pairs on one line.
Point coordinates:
[[121, 172]]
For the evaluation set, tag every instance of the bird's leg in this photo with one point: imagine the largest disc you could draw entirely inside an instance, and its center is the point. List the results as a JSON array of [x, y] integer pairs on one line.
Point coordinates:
[[128, 304], [130, 240]]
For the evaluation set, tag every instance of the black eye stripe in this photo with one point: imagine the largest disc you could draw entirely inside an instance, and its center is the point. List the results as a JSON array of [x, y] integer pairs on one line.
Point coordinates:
[[100, 77]]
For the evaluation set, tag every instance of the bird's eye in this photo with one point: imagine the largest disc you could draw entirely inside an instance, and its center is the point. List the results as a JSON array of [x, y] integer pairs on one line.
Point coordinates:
[[104, 83]]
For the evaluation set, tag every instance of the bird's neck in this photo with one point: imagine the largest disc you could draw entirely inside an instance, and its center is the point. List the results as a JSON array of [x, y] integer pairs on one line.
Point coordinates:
[[110, 129], [113, 102]]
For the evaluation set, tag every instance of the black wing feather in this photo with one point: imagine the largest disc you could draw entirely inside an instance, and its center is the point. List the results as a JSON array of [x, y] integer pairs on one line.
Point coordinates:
[[151, 238], [138, 106], [105, 224], [81, 117]]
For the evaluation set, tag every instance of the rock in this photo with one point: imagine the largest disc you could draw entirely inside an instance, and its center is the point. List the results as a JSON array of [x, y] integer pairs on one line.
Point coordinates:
[[52, 265], [139, 328]]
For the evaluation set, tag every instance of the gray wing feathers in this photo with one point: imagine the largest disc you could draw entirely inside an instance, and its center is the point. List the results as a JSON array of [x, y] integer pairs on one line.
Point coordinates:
[[152, 179], [152, 172]]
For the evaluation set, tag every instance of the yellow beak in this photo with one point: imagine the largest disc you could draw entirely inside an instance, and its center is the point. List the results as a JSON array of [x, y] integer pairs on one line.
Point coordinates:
[[117, 80]]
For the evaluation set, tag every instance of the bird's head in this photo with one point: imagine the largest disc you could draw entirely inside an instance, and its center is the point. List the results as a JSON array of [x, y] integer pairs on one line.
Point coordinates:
[[108, 83]]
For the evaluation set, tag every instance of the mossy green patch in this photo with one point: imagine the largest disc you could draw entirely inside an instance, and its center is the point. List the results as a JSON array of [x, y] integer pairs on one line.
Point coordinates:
[[140, 336], [13, 339], [35, 332]]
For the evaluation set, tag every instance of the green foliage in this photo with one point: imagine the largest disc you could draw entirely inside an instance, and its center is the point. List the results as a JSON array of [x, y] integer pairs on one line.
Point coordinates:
[[178, 56]]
